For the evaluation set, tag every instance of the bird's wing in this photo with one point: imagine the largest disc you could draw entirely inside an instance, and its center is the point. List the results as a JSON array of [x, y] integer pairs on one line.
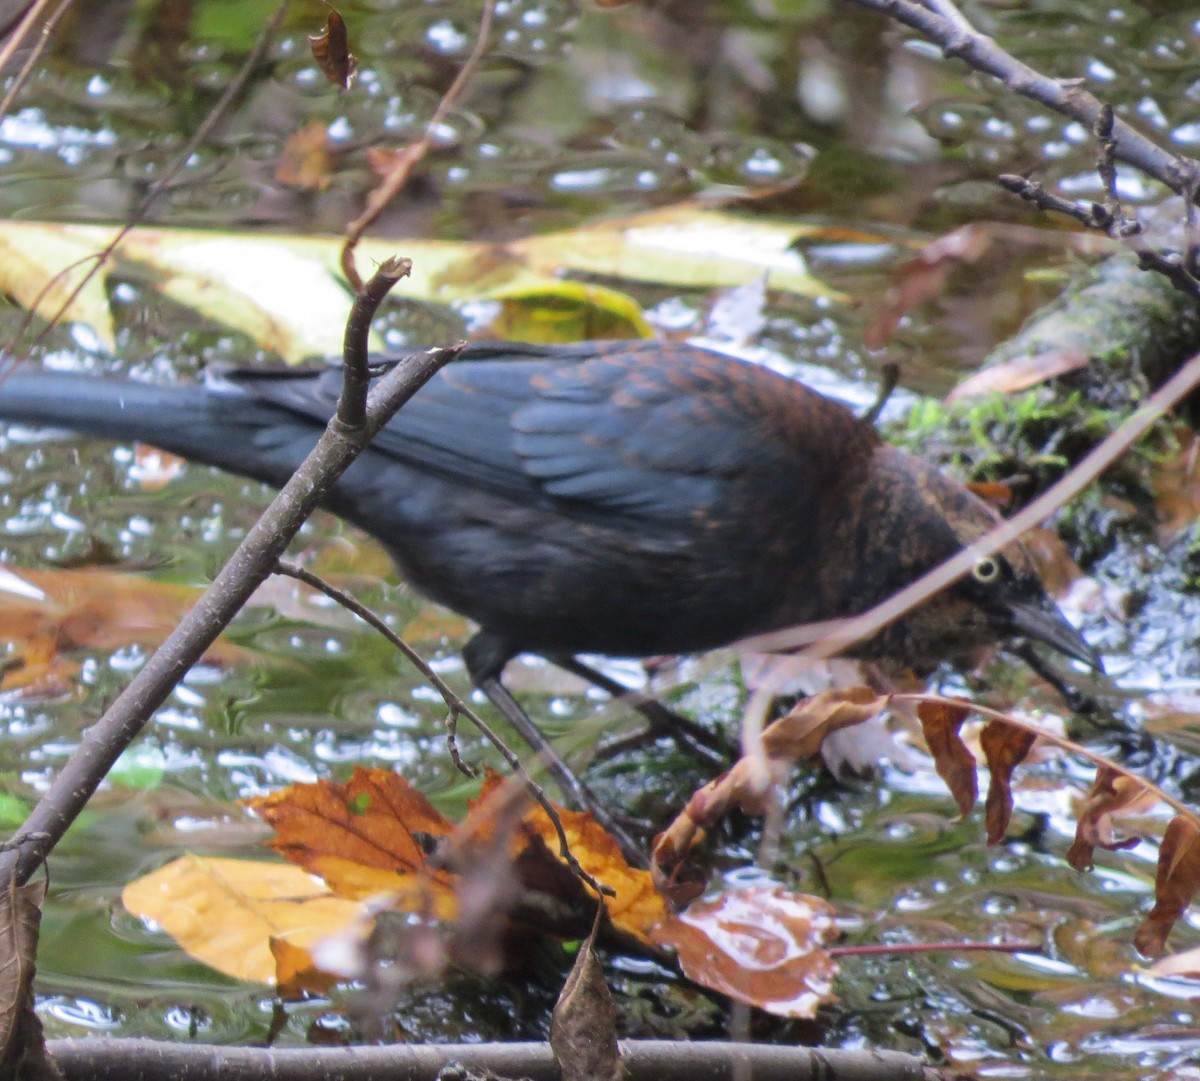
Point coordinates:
[[645, 429]]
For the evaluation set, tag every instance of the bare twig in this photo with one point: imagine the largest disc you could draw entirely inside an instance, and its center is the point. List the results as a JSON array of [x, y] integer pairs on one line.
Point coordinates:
[[356, 374], [1110, 217], [457, 708], [35, 54], [643, 1060], [957, 38], [943, 23], [17, 38]]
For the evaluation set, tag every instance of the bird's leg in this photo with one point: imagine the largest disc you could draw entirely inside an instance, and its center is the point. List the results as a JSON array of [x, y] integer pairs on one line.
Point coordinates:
[[572, 787], [693, 738]]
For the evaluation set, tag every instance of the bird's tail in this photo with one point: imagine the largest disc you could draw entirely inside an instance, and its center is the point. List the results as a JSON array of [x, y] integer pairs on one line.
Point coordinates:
[[228, 429]]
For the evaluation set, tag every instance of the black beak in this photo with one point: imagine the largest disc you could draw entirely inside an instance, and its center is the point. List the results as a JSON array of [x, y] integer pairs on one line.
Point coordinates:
[[1041, 621]]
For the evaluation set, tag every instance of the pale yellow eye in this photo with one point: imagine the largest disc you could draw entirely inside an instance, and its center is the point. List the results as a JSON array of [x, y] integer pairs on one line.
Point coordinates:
[[986, 570]]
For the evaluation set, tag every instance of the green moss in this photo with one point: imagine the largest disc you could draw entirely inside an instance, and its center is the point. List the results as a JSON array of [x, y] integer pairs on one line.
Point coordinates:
[[1028, 441]]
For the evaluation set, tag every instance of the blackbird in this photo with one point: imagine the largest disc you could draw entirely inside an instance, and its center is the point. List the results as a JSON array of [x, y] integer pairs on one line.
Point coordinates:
[[622, 498]]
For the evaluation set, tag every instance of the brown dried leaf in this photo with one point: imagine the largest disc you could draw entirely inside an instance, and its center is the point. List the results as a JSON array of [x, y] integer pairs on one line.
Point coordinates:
[[306, 161], [20, 921], [1019, 374], [154, 469], [760, 944], [1111, 792], [295, 972], [50, 612], [583, 1025], [1175, 884], [941, 722], [1004, 747], [370, 835], [800, 732], [331, 50], [797, 735], [995, 493]]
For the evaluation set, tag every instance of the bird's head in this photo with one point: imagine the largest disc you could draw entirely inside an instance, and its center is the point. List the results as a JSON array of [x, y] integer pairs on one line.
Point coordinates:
[[1002, 597]]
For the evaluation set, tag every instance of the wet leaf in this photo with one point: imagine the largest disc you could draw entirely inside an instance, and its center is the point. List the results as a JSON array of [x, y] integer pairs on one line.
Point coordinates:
[[1019, 374], [1175, 884], [1111, 793], [562, 312], [683, 246], [1005, 747], [583, 1025], [371, 835], [253, 283], [799, 734], [954, 763], [154, 469], [31, 255], [226, 912], [331, 50], [760, 944], [47, 613]]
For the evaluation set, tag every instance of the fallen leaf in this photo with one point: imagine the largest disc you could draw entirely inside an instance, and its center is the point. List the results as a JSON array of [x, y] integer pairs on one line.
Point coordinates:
[[760, 944], [368, 836], [55, 611], [226, 912], [564, 312], [923, 278], [1176, 484], [306, 160], [1019, 374], [795, 736], [154, 469], [20, 925]]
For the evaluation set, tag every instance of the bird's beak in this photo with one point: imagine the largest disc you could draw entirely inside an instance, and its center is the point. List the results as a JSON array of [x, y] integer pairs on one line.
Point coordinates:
[[1043, 622]]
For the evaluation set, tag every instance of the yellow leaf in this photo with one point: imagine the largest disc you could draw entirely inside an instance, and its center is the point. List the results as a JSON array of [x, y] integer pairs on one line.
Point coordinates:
[[225, 912]]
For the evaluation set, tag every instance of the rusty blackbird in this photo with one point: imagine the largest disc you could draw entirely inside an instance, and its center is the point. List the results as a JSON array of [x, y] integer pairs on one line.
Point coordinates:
[[623, 498]]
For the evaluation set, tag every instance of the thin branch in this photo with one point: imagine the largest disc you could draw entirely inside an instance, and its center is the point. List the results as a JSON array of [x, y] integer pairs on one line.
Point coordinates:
[[957, 38], [457, 707], [644, 1060], [407, 159], [35, 54], [17, 37], [356, 374]]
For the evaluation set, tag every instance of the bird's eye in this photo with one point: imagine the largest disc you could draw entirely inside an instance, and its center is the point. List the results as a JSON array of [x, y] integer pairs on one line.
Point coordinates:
[[986, 570]]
